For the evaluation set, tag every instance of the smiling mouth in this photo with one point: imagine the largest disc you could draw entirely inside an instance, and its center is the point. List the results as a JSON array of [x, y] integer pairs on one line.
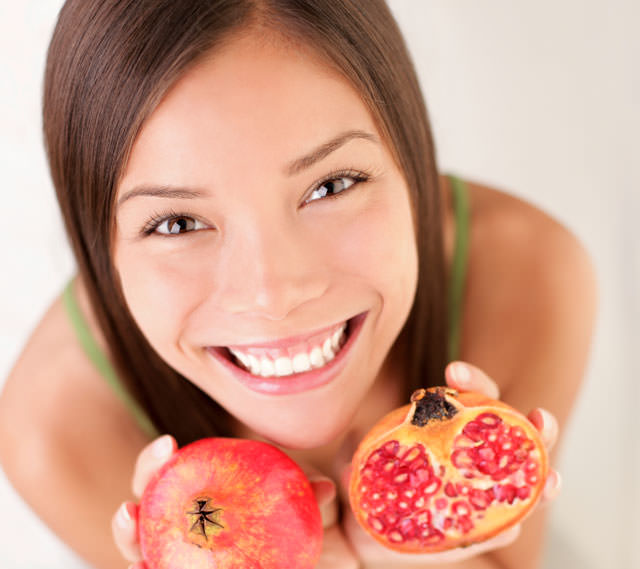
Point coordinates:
[[313, 353]]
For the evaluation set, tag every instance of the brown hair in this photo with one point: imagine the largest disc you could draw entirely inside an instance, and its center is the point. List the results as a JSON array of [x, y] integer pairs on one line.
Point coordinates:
[[109, 64]]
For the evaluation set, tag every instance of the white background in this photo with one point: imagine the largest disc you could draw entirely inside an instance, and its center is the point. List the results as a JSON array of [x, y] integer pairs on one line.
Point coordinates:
[[539, 98]]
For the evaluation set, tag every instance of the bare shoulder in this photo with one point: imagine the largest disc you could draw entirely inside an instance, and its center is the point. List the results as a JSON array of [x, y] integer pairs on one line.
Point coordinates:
[[59, 386], [530, 296], [64, 434]]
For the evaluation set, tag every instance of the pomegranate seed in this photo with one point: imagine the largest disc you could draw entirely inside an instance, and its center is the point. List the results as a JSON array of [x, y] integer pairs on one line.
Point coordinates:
[[412, 454], [520, 455], [505, 493], [395, 536], [423, 519], [401, 478], [472, 431], [518, 432], [486, 453], [419, 477], [462, 441], [389, 466], [487, 467], [461, 459], [488, 420], [376, 524], [432, 487], [441, 503], [465, 524], [391, 518], [435, 536], [524, 492], [480, 499], [449, 490], [391, 447], [460, 508]]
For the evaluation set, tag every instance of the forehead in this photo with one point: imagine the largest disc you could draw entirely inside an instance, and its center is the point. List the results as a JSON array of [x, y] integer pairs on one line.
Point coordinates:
[[265, 100]]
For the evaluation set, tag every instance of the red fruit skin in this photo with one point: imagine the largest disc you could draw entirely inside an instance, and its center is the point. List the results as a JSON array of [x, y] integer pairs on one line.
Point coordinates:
[[439, 439], [264, 513]]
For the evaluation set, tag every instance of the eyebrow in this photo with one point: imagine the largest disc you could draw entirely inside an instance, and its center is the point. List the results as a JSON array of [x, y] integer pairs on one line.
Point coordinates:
[[325, 149], [294, 167]]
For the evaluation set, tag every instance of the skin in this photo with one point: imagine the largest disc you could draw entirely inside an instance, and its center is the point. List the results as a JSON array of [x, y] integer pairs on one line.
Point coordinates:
[[268, 272], [265, 265]]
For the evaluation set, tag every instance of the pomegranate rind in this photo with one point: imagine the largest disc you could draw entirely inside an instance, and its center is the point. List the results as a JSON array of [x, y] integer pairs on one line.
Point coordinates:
[[439, 439], [262, 499]]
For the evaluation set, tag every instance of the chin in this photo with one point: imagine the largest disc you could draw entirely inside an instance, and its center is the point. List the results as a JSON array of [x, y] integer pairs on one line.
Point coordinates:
[[302, 437]]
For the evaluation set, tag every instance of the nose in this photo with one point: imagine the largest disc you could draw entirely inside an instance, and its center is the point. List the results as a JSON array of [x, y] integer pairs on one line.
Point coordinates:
[[268, 272]]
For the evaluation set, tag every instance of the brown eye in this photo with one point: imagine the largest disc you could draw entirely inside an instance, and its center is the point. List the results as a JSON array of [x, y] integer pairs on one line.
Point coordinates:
[[177, 225], [331, 187]]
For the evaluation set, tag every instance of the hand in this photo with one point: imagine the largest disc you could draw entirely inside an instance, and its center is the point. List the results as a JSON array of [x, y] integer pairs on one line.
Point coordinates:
[[463, 377], [124, 524], [336, 553]]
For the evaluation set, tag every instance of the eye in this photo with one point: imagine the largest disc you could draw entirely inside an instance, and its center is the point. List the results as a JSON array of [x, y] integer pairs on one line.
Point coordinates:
[[335, 185], [172, 224]]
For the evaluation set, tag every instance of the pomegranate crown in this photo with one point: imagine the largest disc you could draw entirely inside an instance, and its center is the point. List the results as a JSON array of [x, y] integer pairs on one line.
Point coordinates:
[[432, 404]]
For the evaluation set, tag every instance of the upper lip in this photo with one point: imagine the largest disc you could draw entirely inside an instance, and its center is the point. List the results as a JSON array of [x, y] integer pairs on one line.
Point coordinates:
[[291, 340]]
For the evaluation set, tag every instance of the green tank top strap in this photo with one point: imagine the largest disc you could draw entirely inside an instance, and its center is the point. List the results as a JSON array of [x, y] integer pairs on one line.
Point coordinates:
[[100, 360], [459, 264]]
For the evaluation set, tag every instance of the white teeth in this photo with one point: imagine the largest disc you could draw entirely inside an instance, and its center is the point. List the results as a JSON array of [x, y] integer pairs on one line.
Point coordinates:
[[301, 363], [267, 368], [317, 357], [337, 337], [284, 366], [254, 365], [327, 350]]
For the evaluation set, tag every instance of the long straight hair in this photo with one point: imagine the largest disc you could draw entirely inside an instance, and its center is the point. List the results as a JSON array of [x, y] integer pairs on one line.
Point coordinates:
[[109, 64]]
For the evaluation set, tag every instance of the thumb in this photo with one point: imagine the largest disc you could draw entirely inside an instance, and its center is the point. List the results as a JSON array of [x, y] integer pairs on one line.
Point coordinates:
[[324, 490]]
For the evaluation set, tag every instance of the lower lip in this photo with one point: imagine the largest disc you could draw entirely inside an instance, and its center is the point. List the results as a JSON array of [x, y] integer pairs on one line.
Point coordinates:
[[297, 382]]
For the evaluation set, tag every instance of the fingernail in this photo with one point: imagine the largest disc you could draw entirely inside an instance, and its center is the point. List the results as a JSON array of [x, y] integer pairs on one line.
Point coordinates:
[[325, 487], [558, 484], [461, 373], [123, 517], [553, 490], [547, 420], [162, 447]]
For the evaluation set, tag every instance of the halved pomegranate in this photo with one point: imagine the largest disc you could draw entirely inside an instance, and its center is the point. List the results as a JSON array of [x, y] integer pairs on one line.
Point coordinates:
[[229, 503], [448, 470]]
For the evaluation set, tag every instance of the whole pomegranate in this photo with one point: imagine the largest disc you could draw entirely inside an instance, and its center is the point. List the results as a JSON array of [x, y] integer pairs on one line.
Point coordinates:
[[227, 503], [449, 470]]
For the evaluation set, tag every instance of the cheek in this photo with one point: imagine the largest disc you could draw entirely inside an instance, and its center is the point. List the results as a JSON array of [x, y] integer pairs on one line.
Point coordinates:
[[379, 247], [160, 291]]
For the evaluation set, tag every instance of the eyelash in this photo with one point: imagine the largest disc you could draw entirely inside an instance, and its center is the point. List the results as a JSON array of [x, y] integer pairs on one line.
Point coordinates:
[[357, 176]]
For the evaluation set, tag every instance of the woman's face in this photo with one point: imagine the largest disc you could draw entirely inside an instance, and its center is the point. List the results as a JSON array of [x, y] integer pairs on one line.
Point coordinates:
[[260, 211]]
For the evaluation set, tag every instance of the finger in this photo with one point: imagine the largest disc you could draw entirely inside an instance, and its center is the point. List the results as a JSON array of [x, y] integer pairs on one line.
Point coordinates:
[[324, 490], [546, 423], [507, 537], [336, 552], [552, 486], [150, 459], [467, 377], [124, 526]]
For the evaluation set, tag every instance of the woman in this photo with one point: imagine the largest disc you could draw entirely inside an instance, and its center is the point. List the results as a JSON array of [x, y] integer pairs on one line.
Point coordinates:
[[241, 181]]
